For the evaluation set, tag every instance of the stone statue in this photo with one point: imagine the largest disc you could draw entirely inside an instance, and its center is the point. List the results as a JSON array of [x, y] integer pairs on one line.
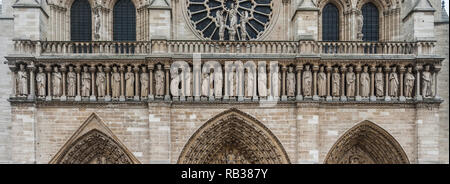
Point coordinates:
[[262, 83], [244, 21], [115, 83], [159, 78], [41, 82], [217, 83], [57, 82], [359, 24], [71, 82], [379, 82], [232, 29], [279, 84], [426, 82], [232, 81], [365, 83], [129, 79], [175, 81], [97, 21], [276, 82], [86, 82], [322, 82], [101, 82], [188, 80], [220, 23], [23, 80], [249, 83], [351, 77], [336, 82], [409, 83], [290, 82], [205, 84], [144, 82], [307, 81], [393, 83]]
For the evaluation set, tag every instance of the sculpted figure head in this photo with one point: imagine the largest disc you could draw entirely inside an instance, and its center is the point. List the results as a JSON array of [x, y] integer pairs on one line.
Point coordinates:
[[85, 68], [307, 67], [350, 69], [144, 69], [291, 69], [55, 69], [70, 68], [427, 68], [365, 69], [379, 69], [409, 69], [394, 69], [22, 67]]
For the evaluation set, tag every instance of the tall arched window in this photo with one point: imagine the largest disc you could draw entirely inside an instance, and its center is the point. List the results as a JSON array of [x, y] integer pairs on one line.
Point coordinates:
[[80, 21], [371, 22], [330, 23], [124, 21]]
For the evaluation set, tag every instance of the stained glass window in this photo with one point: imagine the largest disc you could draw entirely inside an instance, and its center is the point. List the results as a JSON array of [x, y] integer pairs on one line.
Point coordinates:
[[330, 23], [371, 22], [124, 21], [81, 21]]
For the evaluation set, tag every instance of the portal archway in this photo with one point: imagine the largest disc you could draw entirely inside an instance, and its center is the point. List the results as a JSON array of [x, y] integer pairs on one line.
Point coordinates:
[[94, 143], [233, 137], [366, 143]]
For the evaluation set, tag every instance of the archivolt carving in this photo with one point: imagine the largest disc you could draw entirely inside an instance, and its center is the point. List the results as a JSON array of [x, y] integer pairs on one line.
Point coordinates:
[[233, 137], [93, 143], [366, 143], [341, 4]]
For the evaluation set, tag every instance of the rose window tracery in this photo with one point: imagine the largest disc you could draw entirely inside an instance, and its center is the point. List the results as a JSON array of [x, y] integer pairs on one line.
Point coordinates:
[[230, 19]]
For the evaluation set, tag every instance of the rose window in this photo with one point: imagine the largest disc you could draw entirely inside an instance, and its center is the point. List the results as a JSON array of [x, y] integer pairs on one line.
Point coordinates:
[[230, 19]]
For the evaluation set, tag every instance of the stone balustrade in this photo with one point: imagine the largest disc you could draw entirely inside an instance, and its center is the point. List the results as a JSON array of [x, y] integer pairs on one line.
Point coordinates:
[[167, 80], [303, 47]]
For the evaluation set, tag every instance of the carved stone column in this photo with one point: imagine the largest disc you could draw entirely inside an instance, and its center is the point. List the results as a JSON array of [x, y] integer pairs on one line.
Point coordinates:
[[329, 97], [299, 82], [13, 69], [32, 94], [122, 83], [92, 69], [167, 70], [358, 83], [386, 83], [151, 96], [373, 69], [137, 90], [418, 79], [48, 69], [343, 97], [108, 83], [435, 75], [315, 68], [283, 83], [402, 71], [63, 71], [78, 70]]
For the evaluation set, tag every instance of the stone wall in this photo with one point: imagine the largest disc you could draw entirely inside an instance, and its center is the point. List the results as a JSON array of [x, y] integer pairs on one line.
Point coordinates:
[[158, 132], [6, 35], [441, 32]]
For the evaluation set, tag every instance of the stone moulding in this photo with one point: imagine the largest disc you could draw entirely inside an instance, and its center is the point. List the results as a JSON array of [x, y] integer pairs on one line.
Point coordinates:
[[366, 142], [94, 136], [205, 140]]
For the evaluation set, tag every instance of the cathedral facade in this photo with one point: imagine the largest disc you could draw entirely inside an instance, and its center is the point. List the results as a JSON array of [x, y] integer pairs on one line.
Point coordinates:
[[224, 81]]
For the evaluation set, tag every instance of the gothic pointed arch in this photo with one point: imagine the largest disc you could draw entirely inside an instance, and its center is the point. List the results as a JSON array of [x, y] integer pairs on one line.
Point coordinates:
[[366, 143], [233, 137], [94, 143]]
